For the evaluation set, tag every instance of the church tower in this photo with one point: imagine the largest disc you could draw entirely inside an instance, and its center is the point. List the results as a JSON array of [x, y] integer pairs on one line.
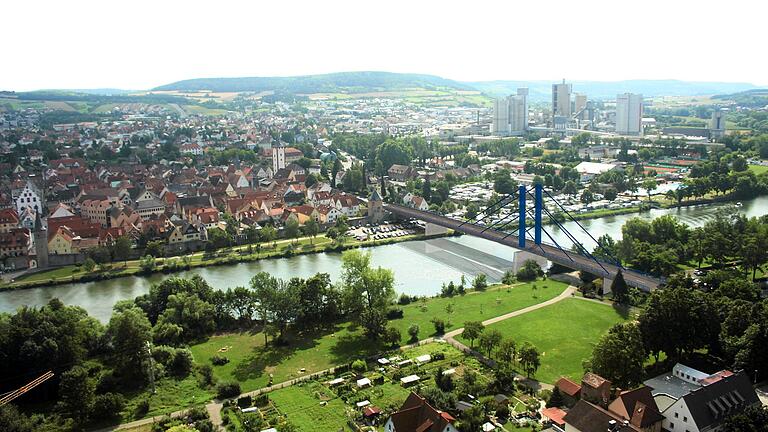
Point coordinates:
[[375, 208], [40, 235]]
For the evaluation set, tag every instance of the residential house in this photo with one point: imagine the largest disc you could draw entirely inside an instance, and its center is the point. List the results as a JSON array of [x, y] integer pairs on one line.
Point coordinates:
[[416, 202], [639, 407], [60, 241], [30, 197], [15, 243], [417, 415], [570, 391], [596, 389], [9, 220], [704, 408], [400, 173], [588, 417]]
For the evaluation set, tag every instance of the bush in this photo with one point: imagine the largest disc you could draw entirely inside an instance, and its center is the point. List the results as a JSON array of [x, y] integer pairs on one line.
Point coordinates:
[[394, 313], [181, 364], [107, 383], [438, 355], [206, 376], [404, 299], [244, 402], [142, 408], [529, 271], [218, 360], [107, 406], [413, 332], [480, 282], [508, 278], [392, 336], [359, 366], [227, 390], [163, 354], [439, 324]]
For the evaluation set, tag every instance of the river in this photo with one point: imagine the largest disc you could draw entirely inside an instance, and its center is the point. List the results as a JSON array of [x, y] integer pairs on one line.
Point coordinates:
[[420, 267]]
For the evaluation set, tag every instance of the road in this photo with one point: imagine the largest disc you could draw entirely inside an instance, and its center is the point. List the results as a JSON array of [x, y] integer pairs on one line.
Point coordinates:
[[214, 407]]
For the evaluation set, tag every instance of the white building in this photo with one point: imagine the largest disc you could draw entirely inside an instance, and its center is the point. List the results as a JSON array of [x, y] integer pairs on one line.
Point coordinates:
[[278, 157], [717, 124], [629, 114], [28, 197], [561, 100], [510, 114]]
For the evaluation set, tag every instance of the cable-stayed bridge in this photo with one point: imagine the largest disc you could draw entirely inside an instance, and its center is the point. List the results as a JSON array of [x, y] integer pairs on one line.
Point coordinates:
[[506, 221]]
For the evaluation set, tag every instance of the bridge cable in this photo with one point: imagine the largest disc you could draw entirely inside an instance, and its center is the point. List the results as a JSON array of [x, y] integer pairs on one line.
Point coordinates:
[[616, 261]]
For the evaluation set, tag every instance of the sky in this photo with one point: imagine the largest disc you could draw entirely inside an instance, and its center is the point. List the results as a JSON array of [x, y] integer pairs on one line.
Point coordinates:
[[138, 44]]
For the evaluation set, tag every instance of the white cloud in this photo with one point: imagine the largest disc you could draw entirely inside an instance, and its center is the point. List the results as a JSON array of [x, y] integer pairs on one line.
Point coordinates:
[[141, 44]]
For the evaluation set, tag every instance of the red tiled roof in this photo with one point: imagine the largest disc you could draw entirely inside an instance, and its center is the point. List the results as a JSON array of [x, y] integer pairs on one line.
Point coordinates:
[[555, 414], [568, 387]]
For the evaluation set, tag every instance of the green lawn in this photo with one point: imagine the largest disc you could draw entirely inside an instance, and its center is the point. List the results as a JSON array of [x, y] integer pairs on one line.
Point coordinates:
[[251, 362], [474, 306], [758, 169], [302, 408], [564, 334]]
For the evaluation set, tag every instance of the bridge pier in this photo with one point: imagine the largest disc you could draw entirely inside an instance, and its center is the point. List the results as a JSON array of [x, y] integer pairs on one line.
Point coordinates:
[[607, 282], [520, 257], [433, 229]]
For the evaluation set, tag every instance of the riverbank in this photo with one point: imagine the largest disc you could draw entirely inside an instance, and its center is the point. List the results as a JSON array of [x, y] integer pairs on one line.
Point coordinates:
[[225, 256]]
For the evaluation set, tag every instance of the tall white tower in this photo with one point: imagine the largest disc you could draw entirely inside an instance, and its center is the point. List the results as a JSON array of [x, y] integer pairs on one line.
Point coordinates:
[[561, 100], [629, 114], [278, 156]]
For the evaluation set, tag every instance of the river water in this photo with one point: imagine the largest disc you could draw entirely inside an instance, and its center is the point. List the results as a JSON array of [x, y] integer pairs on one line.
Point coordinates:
[[420, 267]]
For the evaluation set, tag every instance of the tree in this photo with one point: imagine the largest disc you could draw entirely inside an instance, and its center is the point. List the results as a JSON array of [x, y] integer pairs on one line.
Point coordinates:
[[193, 314], [311, 228], [439, 324], [367, 292], [14, 421], [129, 331], [503, 183], [480, 282], [529, 359], [147, 264], [529, 271], [335, 171], [156, 248], [649, 185], [268, 234], [488, 340], [472, 211], [753, 418], [619, 289], [587, 196], [392, 336], [292, 228], [218, 238], [89, 264], [555, 399], [679, 319], [121, 249], [413, 332], [264, 288], [619, 355], [570, 188], [507, 350], [472, 330], [76, 394], [426, 189]]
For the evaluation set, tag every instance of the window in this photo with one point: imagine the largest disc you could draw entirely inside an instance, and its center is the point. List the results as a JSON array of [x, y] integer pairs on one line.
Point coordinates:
[[676, 415], [671, 425], [685, 419]]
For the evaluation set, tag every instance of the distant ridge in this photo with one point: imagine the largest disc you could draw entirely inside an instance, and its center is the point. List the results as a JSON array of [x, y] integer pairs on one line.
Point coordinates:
[[542, 90], [353, 82]]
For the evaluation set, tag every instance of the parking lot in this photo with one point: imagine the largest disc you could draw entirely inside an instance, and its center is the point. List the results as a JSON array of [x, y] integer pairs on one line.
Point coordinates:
[[383, 231]]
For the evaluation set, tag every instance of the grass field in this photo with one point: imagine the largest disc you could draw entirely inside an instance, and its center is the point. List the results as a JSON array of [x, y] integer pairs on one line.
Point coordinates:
[[564, 334], [758, 169], [251, 362], [474, 306]]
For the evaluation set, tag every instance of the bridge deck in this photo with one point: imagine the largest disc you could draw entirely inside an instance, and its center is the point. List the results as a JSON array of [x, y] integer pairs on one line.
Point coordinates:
[[552, 253]]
